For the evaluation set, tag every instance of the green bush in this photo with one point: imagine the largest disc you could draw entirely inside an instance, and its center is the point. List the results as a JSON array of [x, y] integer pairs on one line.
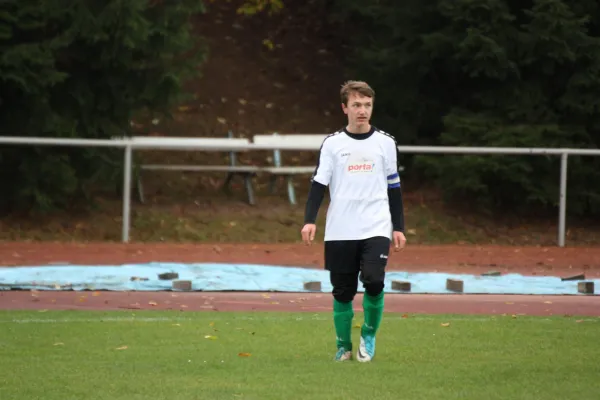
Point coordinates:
[[515, 183], [73, 68], [486, 73]]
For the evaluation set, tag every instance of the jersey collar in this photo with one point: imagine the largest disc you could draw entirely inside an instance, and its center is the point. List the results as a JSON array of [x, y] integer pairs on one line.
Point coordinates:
[[360, 136]]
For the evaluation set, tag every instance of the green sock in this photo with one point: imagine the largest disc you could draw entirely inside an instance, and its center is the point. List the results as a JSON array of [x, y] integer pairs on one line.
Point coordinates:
[[373, 309], [342, 320]]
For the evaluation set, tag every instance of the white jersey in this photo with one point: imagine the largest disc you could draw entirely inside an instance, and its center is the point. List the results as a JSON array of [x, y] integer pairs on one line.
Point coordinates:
[[358, 169]]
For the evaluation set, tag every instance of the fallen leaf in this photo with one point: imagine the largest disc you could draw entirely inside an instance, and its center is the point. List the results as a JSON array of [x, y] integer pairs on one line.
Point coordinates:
[[42, 310], [222, 120], [153, 303], [445, 324], [357, 326], [59, 344], [514, 316], [266, 296], [509, 302], [211, 324], [547, 302], [183, 108], [244, 354], [274, 302], [183, 306], [243, 102], [579, 320], [96, 294], [404, 315], [176, 324], [268, 44], [210, 337], [122, 348]]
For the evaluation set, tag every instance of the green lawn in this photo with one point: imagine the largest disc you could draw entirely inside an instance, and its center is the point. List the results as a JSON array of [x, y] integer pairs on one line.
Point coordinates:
[[174, 355]]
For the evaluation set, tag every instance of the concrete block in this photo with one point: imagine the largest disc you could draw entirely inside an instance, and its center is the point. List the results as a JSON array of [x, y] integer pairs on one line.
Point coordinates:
[[182, 285], [578, 277], [454, 285], [313, 286], [168, 276], [492, 273], [585, 287], [401, 285]]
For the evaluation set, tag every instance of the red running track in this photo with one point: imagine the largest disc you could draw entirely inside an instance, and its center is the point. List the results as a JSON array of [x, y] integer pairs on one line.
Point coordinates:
[[300, 302]]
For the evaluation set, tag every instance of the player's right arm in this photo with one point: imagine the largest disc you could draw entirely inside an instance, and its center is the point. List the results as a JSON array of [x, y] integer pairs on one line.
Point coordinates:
[[320, 180]]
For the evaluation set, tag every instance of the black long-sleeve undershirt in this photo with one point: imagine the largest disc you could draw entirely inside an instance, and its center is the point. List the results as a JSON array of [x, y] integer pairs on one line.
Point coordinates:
[[317, 193], [313, 203], [396, 208]]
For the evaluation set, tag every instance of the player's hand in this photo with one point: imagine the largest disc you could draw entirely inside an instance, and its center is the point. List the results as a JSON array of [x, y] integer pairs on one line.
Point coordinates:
[[399, 240], [308, 233]]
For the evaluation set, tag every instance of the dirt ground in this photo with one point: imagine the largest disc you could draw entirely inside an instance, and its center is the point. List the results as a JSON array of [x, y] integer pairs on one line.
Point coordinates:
[[549, 261], [544, 261]]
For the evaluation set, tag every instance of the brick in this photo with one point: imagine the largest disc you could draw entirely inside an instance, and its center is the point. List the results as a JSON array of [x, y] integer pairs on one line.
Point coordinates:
[[182, 285], [454, 285], [578, 277], [492, 273], [585, 287], [313, 286], [168, 276], [401, 285]]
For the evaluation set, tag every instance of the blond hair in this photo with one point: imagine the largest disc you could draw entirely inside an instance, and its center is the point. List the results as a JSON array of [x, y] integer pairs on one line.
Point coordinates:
[[359, 87]]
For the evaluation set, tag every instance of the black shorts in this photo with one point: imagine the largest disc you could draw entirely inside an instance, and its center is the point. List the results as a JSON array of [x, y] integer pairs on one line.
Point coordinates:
[[351, 261], [352, 256]]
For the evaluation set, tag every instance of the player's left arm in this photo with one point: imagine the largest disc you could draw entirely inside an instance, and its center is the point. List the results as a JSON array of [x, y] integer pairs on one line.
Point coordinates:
[[395, 195]]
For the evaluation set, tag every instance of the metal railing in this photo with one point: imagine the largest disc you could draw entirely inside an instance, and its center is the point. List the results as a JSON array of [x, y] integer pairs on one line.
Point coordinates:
[[129, 145]]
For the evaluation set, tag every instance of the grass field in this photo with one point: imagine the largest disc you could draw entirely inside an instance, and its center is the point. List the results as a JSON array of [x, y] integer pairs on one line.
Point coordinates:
[[169, 355]]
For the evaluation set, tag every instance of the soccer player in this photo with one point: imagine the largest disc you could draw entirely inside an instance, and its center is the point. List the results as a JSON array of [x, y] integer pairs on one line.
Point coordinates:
[[360, 165]]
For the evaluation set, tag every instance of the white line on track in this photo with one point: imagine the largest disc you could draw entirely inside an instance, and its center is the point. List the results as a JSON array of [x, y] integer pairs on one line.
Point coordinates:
[[260, 318]]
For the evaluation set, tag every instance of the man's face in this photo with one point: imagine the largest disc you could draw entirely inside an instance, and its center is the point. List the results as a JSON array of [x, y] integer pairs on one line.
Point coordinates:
[[358, 109]]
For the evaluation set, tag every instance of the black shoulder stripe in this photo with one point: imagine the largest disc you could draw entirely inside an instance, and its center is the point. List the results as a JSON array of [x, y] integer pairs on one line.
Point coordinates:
[[388, 135], [395, 145]]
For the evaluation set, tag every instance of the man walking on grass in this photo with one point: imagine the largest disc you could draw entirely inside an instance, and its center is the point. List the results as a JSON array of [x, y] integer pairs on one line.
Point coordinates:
[[360, 165]]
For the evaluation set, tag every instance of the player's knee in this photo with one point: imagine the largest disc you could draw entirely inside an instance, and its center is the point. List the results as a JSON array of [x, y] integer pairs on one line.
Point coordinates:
[[374, 288], [344, 294], [373, 281]]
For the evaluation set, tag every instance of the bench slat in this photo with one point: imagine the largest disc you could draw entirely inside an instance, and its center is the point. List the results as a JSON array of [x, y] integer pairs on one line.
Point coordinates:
[[191, 143], [290, 141], [201, 168], [289, 170]]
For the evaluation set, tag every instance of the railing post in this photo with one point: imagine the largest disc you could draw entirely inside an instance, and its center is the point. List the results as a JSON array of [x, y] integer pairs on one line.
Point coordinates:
[[562, 215], [126, 193]]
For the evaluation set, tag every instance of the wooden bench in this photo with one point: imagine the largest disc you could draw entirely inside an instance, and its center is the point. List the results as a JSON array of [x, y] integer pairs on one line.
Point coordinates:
[[306, 142], [230, 144]]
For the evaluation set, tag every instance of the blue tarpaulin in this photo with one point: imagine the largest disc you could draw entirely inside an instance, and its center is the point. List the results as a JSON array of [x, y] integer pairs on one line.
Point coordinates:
[[250, 277]]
